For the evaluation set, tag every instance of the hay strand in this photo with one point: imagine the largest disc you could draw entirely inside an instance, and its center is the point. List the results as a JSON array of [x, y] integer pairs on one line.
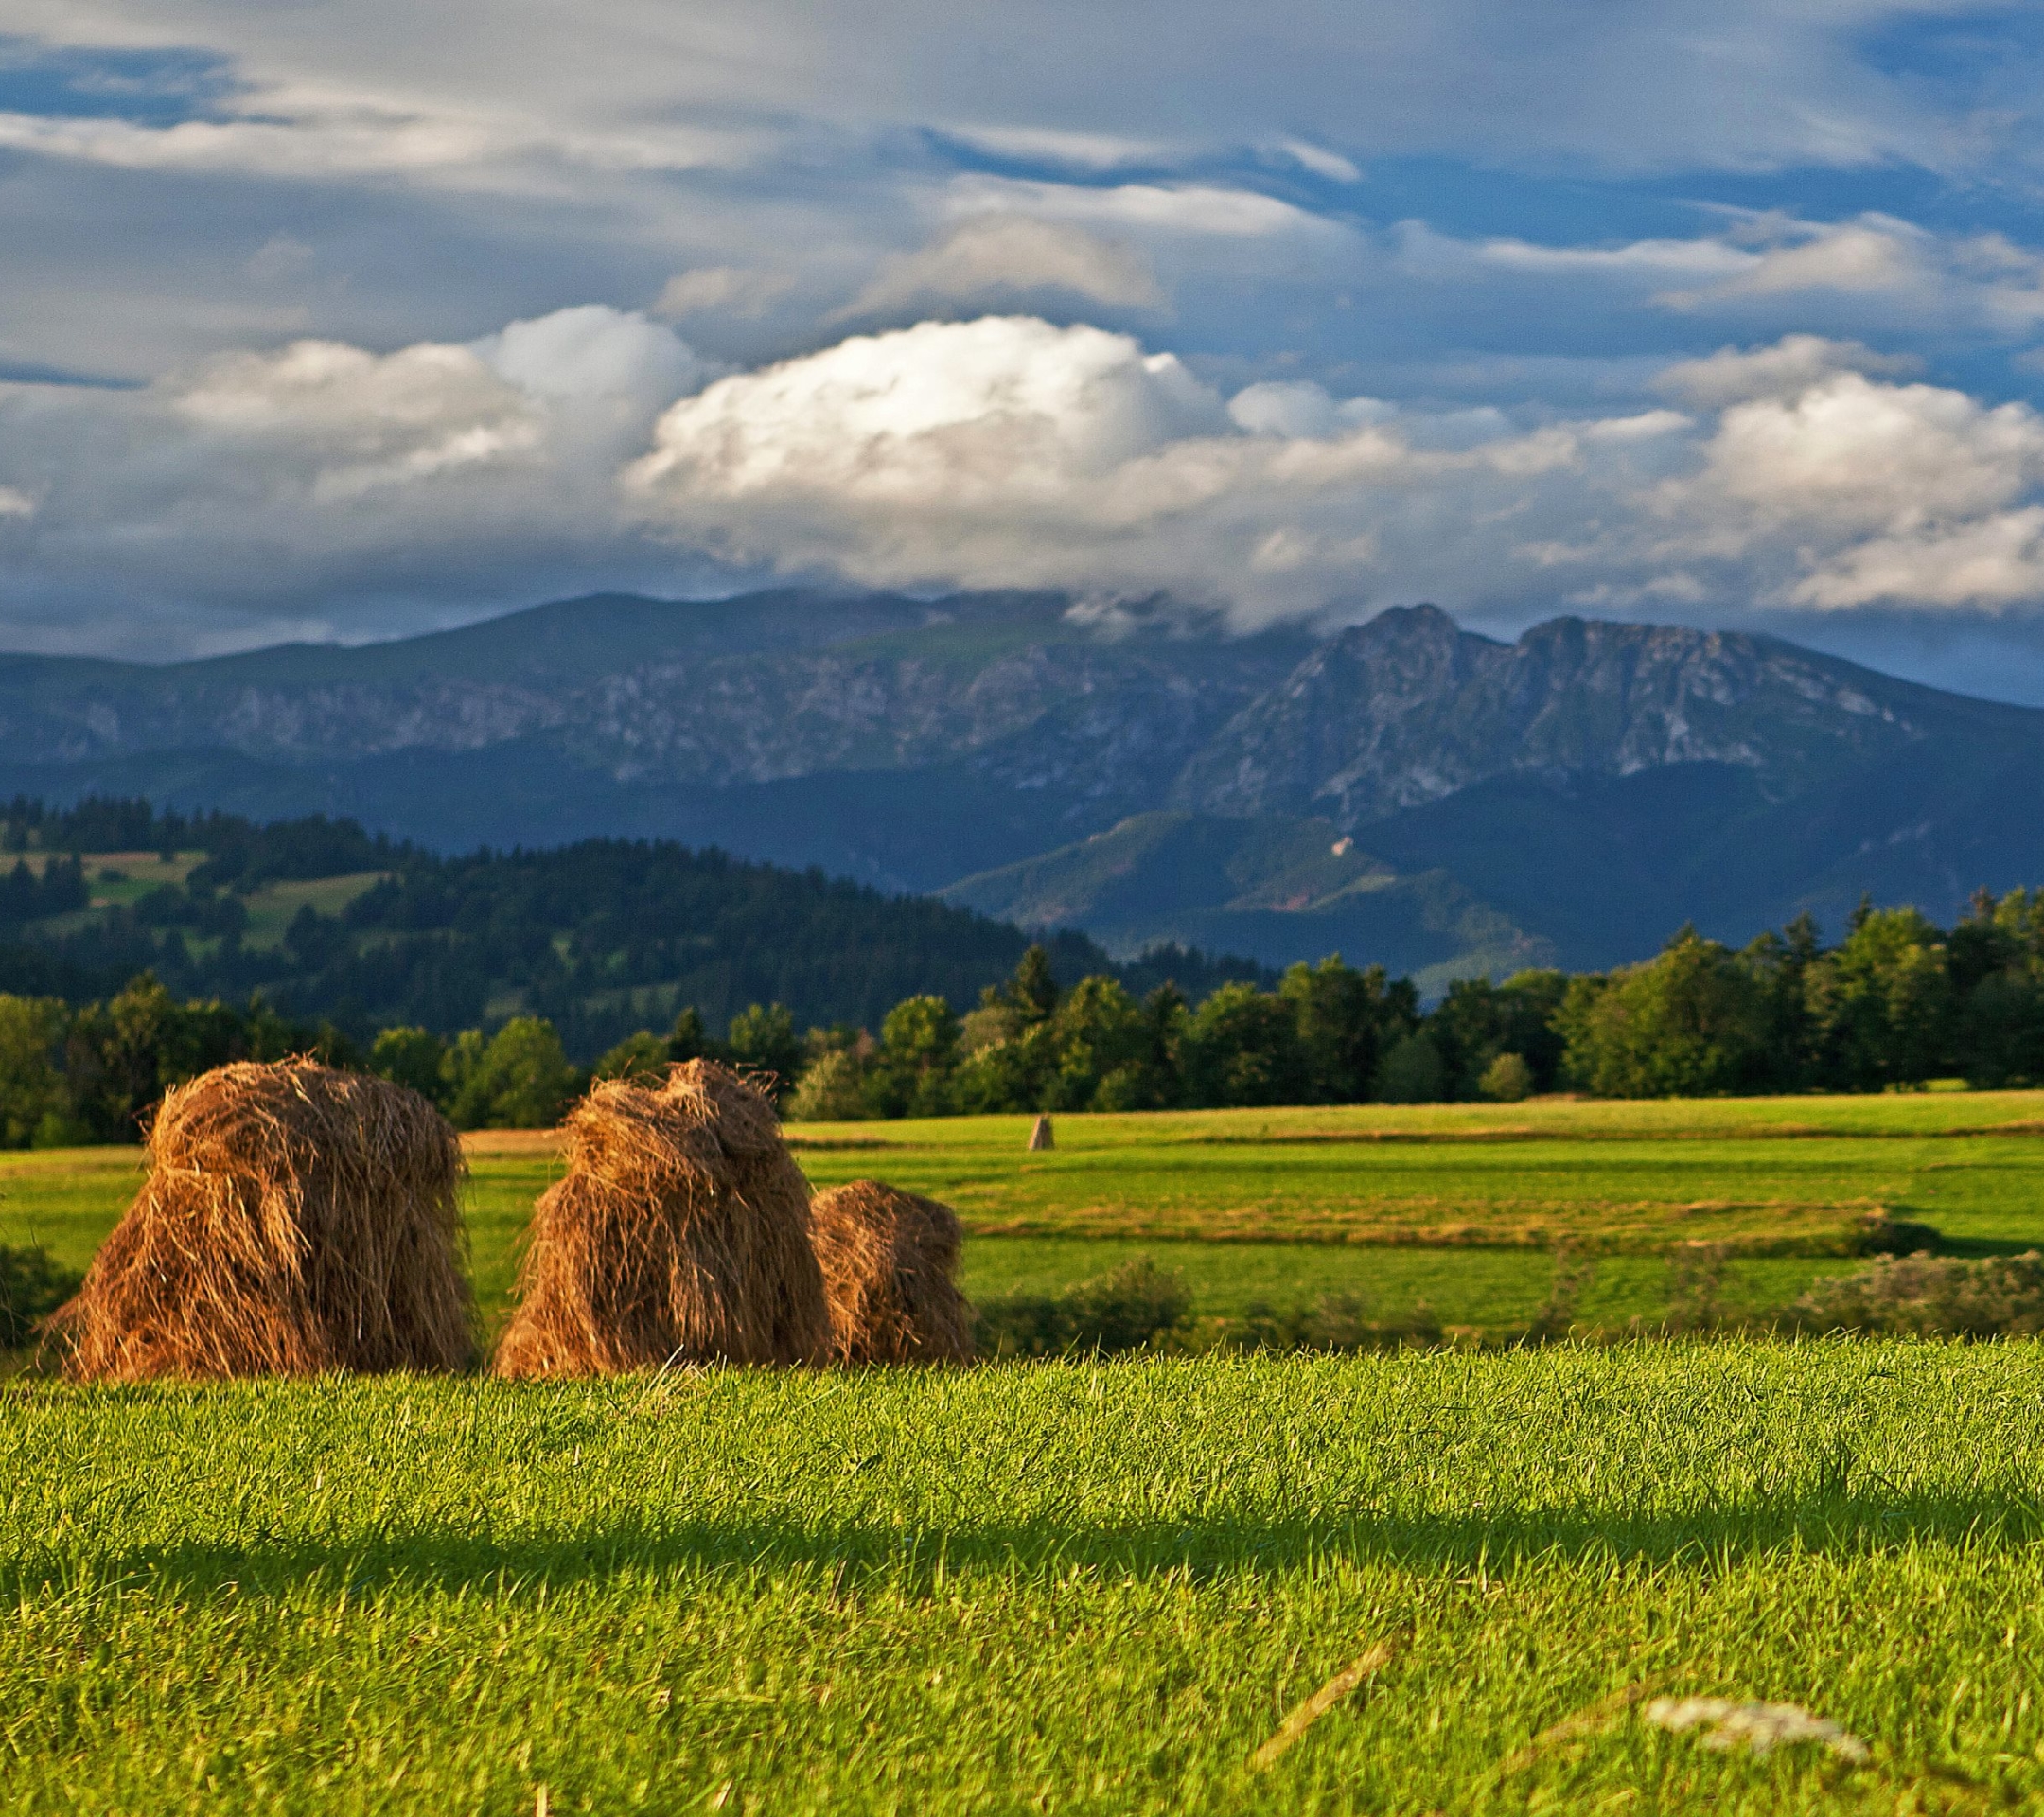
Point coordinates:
[[295, 1220], [1365, 1665], [889, 1259], [678, 1234]]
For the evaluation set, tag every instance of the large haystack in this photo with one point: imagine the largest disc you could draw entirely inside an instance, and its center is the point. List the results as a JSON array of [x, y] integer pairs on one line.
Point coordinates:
[[679, 1234], [295, 1220], [888, 1260]]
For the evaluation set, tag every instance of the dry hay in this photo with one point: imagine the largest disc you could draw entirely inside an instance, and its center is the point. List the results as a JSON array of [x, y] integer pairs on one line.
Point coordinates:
[[679, 1234], [888, 1260], [295, 1220]]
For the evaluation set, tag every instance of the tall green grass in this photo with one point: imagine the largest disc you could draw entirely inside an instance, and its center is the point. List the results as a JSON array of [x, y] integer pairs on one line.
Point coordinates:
[[1067, 1587]]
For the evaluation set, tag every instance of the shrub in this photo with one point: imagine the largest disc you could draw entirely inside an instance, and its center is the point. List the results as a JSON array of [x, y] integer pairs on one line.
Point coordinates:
[[641, 1056], [413, 1057], [32, 1287], [832, 1090], [1931, 1296], [522, 1080], [1332, 1321], [1507, 1080], [1411, 1072], [1126, 1309]]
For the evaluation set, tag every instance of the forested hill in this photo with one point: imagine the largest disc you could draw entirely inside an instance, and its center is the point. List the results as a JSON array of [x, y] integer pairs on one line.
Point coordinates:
[[602, 937]]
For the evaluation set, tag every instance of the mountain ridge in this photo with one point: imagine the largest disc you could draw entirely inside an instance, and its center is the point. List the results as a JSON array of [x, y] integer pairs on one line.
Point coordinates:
[[1582, 784]]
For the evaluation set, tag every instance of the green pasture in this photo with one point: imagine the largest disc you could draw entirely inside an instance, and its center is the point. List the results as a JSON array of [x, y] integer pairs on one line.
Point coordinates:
[[1066, 1587], [1458, 1207]]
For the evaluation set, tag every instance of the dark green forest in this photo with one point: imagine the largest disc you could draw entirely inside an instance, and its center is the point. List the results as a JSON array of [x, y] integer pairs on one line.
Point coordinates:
[[599, 939]]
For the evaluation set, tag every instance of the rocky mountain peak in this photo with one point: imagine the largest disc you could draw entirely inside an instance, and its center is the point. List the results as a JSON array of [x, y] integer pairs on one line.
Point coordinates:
[[1408, 707]]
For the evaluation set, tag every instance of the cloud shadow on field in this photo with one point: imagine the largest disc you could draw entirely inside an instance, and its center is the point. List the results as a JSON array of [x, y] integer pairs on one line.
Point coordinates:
[[1836, 1519]]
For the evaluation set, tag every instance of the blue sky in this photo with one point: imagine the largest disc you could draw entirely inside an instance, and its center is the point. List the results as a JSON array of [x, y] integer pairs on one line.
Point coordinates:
[[342, 321]]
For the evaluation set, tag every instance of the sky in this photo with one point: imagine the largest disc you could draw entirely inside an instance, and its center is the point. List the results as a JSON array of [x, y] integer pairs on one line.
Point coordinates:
[[325, 321]]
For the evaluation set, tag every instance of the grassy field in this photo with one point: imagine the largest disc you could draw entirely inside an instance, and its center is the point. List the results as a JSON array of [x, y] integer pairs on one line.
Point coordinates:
[[1059, 1587], [1094, 1586], [1458, 1207]]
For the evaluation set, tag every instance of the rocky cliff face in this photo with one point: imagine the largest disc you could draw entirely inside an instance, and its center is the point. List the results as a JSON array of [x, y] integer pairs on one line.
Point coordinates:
[[1028, 698], [1404, 709], [1409, 709]]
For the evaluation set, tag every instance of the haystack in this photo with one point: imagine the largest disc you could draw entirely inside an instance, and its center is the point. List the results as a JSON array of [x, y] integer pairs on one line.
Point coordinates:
[[888, 1260], [678, 1234], [295, 1220]]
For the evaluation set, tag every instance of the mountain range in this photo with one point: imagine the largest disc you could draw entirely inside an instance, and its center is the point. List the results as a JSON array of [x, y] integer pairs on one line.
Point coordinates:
[[1402, 790]]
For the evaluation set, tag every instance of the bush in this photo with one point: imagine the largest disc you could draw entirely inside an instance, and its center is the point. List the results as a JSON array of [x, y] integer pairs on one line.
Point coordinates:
[[32, 1287], [1507, 1080], [1411, 1072], [1930, 1296], [412, 1057], [642, 1056], [1332, 1321], [1126, 1309], [832, 1090], [522, 1080]]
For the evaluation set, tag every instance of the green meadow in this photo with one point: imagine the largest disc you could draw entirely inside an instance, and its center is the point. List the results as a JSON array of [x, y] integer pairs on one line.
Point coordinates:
[[1459, 1207], [1052, 1587], [1452, 1580]]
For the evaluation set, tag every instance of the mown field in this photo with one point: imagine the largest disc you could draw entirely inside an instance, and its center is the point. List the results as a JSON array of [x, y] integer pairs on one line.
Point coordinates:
[[1458, 1207], [1069, 1587], [1090, 1585]]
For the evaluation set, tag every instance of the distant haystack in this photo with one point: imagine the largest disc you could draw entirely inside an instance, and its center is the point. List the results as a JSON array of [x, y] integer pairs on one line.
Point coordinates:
[[295, 1220], [889, 1261], [679, 1233], [1041, 1136]]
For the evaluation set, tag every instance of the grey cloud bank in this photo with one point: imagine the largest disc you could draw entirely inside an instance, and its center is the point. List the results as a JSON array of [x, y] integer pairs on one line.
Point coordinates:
[[1724, 313]]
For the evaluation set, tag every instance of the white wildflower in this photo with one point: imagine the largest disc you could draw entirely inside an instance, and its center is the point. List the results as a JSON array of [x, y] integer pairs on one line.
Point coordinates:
[[1762, 1727]]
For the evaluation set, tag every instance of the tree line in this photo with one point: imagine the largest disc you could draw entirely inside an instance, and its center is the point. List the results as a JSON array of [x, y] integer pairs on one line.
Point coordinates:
[[1896, 1003]]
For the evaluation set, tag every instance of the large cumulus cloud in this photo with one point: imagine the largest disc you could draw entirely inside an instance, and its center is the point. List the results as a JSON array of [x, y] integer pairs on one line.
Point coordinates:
[[306, 486], [1006, 451], [318, 488]]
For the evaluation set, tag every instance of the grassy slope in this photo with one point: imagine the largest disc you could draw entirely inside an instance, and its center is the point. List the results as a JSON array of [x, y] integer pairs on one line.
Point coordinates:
[[1758, 1170], [1059, 1587]]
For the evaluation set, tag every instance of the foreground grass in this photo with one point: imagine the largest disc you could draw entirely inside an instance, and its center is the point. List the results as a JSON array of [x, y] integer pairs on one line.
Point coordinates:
[[1063, 1587]]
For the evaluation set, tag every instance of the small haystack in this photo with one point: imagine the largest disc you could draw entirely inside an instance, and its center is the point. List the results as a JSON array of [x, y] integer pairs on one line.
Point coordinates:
[[888, 1260], [1041, 1136], [679, 1234], [295, 1220]]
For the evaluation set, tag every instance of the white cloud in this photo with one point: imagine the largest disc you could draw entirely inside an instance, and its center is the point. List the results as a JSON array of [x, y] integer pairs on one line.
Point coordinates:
[[1003, 254], [1424, 252], [712, 290], [1003, 450], [1203, 210], [1994, 560], [1008, 451], [1792, 364], [1735, 84], [1873, 268], [327, 140], [1321, 161], [1301, 410], [316, 479], [592, 352], [1849, 455], [1075, 150]]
